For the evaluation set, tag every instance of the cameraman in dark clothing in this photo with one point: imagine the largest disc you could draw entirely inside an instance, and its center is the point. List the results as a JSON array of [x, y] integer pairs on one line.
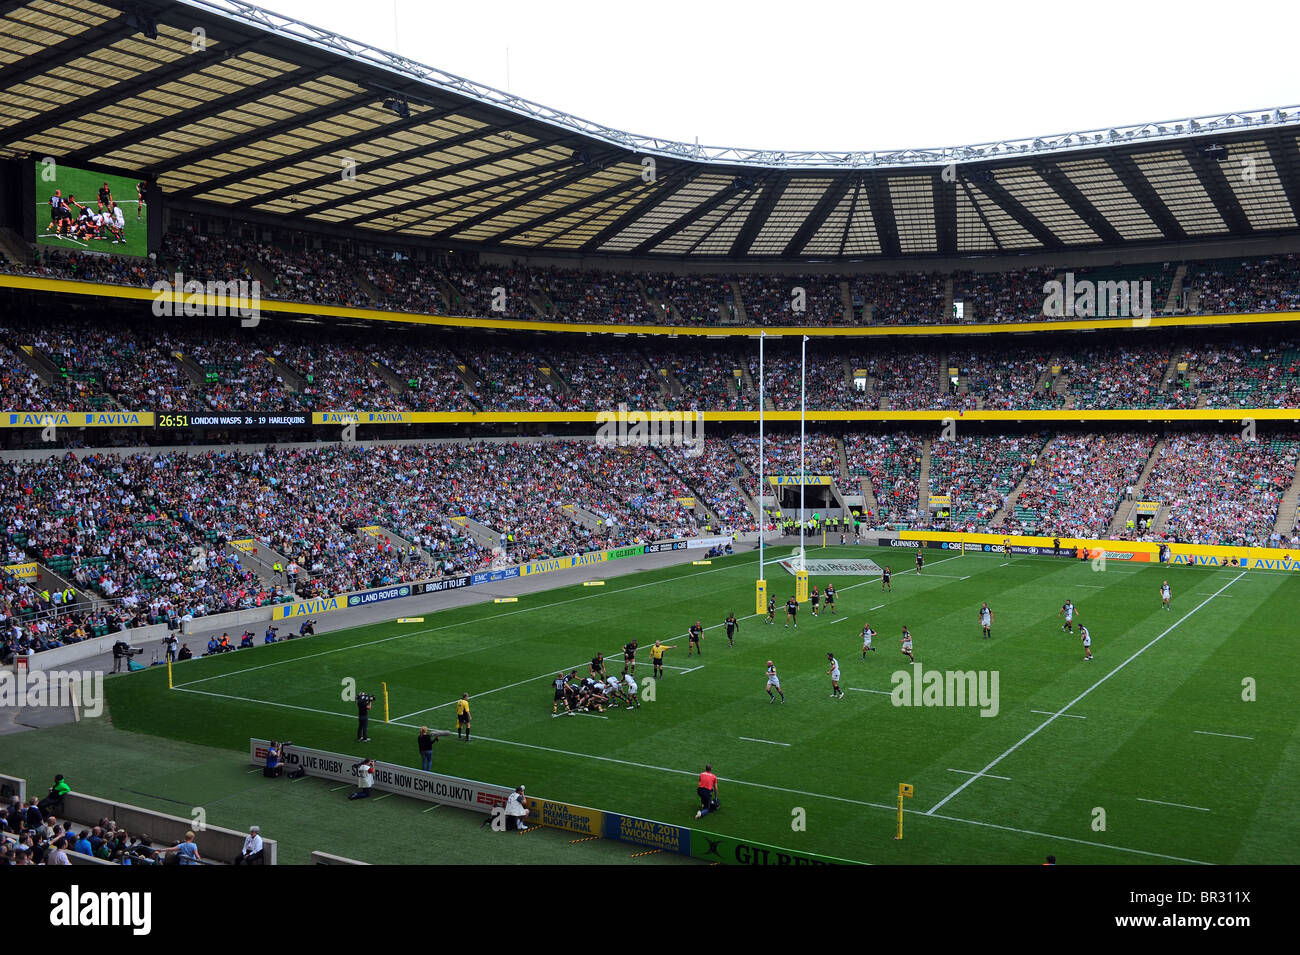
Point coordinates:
[[364, 702]]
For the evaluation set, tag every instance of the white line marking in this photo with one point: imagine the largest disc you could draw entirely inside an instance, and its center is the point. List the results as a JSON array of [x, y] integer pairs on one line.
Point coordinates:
[[1008, 564], [1048, 722], [1049, 713], [1228, 735], [770, 742], [252, 771], [432, 808], [1161, 802], [384, 796], [1092, 586], [337, 788], [860, 690], [741, 782], [878, 608], [841, 618], [988, 775], [966, 578], [693, 669], [594, 716]]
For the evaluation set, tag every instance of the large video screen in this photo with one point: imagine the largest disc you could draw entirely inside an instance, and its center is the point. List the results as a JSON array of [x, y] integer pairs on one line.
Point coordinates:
[[81, 210]]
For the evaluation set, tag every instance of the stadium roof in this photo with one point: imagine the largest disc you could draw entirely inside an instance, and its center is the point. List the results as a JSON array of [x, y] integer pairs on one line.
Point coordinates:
[[257, 114]]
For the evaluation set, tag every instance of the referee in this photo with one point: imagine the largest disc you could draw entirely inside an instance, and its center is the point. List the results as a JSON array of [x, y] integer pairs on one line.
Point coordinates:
[[707, 791], [462, 717]]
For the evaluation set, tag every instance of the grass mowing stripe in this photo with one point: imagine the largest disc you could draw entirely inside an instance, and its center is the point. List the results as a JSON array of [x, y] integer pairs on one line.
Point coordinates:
[[1047, 722]]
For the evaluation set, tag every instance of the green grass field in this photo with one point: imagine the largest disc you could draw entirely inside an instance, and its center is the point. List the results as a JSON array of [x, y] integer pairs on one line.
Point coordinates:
[[84, 186], [1152, 740]]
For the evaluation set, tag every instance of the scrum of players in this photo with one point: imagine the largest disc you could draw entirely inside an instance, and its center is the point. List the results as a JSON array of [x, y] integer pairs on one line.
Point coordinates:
[[71, 219], [599, 690]]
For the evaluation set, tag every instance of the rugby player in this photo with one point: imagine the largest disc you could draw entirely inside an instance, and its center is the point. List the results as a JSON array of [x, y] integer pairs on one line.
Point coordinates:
[[1067, 611], [732, 625], [773, 683], [907, 644], [834, 674], [792, 613], [694, 634], [986, 620], [867, 634]]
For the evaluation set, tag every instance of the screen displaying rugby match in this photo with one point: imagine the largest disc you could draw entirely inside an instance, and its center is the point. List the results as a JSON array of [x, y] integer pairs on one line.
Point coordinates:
[[89, 211]]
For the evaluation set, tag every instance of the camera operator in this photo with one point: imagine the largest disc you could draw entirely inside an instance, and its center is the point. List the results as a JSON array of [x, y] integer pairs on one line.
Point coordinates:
[[516, 811], [273, 768], [120, 650], [271, 634], [365, 771], [364, 702]]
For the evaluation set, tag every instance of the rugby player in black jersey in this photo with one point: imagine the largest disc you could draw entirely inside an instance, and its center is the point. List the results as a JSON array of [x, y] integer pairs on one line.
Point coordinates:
[[830, 598], [732, 625], [792, 613], [771, 610], [629, 657], [695, 632]]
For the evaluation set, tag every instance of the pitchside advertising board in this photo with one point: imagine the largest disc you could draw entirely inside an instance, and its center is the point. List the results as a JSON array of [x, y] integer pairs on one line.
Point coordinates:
[[401, 780], [648, 833], [727, 850]]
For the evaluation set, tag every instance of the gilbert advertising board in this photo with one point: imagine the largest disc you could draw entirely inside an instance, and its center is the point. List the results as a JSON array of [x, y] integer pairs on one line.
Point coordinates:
[[389, 778]]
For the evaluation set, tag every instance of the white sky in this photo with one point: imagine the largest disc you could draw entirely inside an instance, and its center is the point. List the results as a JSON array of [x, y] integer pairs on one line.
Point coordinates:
[[850, 75]]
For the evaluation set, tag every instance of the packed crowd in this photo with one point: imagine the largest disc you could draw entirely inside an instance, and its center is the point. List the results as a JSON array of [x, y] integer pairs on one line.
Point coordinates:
[[332, 275], [1072, 488], [892, 465], [1270, 284], [1221, 489], [287, 366], [978, 473]]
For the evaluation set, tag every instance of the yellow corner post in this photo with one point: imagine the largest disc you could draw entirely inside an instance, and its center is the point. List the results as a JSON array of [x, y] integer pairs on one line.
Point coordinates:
[[169, 674], [760, 597], [904, 792], [385, 686], [801, 586]]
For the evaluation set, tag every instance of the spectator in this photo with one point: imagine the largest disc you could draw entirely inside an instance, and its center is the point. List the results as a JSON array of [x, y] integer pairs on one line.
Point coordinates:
[[252, 852]]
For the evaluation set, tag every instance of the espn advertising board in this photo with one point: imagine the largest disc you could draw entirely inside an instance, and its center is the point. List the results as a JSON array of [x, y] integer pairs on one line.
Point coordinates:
[[391, 778], [728, 850]]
